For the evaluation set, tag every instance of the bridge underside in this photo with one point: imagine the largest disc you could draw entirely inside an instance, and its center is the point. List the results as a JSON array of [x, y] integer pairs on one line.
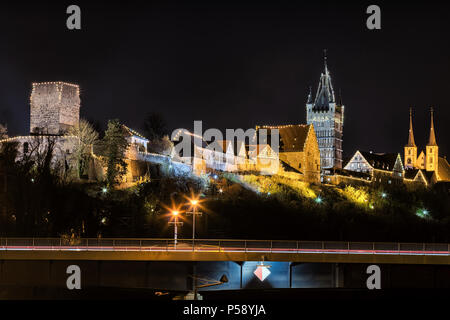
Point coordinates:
[[174, 271]]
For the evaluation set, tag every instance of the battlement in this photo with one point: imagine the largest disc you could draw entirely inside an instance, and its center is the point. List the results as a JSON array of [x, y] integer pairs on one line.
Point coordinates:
[[54, 107]]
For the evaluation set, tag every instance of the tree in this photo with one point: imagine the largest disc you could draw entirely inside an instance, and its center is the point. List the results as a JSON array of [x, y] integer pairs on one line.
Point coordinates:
[[114, 145], [161, 146], [155, 126], [3, 132], [82, 151]]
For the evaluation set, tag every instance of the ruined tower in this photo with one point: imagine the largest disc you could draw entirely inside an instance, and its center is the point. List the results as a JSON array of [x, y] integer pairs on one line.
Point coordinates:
[[54, 107]]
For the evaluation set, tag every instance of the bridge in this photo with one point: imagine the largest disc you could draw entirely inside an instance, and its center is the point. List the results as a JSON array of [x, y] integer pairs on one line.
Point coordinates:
[[166, 264], [222, 250]]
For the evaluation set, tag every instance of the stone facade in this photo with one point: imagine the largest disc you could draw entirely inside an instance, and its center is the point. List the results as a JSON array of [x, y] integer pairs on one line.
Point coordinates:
[[54, 107], [298, 149]]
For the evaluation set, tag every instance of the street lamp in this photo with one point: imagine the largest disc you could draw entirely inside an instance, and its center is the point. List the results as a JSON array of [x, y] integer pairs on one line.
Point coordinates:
[[194, 212], [175, 214]]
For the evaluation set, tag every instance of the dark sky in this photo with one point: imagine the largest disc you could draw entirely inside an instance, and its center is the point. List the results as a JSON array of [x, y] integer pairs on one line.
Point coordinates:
[[235, 64]]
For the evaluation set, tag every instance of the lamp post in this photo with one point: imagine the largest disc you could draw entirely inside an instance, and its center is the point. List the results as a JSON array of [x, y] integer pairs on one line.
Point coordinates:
[[194, 212], [175, 214]]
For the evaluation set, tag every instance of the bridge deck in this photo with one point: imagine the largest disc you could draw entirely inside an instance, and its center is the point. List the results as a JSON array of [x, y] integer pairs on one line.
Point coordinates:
[[222, 250]]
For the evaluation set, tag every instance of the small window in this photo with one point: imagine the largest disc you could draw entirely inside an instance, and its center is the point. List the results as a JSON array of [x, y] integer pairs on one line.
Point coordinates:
[[25, 147]]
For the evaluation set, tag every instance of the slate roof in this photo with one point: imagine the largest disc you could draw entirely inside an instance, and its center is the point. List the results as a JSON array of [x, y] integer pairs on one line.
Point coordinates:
[[411, 173], [292, 137], [132, 132], [382, 161], [325, 92]]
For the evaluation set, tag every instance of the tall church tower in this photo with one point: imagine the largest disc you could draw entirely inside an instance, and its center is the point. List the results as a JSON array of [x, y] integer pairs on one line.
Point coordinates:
[[327, 116], [410, 148], [432, 149]]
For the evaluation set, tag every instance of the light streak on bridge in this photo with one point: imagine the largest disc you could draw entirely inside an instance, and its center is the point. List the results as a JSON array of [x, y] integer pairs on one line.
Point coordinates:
[[223, 246]]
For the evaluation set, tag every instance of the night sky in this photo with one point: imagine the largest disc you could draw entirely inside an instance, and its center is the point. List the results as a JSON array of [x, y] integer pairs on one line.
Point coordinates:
[[235, 64]]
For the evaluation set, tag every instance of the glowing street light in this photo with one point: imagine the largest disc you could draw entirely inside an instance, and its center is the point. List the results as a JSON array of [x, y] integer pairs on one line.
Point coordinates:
[[104, 190], [175, 214], [383, 195], [194, 203], [318, 199]]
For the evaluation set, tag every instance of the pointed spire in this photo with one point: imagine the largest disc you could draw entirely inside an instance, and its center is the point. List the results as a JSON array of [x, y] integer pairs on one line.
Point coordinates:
[[432, 140], [411, 142], [325, 60], [325, 92], [310, 96]]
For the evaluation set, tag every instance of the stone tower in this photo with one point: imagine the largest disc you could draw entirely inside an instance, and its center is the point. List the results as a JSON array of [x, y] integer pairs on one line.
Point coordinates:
[[432, 149], [327, 116], [410, 148], [54, 107]]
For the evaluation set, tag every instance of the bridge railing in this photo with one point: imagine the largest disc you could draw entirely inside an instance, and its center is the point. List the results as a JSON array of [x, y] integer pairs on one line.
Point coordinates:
[[221, 245]]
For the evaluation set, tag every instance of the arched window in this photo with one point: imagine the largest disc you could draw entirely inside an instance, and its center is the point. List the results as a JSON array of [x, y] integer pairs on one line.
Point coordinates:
[[25, 147]]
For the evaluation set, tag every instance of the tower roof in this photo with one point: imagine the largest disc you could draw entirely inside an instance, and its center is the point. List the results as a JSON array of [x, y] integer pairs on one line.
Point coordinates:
[[309, 101], [325, 92], [411, 142], [432, 140], [292, 137]]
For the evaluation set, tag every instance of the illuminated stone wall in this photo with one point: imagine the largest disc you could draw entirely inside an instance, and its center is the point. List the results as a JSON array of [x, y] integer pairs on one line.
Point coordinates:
[[54, 107]]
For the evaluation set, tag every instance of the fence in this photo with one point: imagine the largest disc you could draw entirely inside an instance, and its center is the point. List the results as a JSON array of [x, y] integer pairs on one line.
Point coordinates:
[[223, 245]]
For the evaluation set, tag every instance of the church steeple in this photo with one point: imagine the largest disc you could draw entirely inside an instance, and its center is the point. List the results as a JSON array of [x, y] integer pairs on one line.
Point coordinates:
[[411, 142], [432, 140], [410, 148], [432, 149]]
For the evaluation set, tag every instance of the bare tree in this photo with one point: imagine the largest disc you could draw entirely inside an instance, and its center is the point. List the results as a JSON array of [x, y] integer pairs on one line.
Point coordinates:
[[85, 137]]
